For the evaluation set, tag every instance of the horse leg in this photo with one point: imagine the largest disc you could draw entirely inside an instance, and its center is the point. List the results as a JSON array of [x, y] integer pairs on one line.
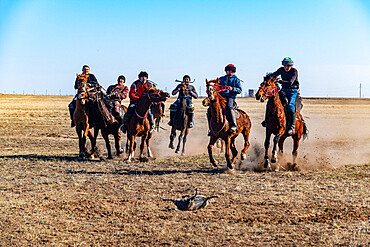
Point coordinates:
[[107, 144], [227, 154], [81, 144], [274, 148], [117, 142], [266, 164], [246, 144], [212, 141], [233, 150], [142, 146], [281, 144], [180, 139], [150, 155], [184, 141], [131, 152], [172, 137], [93, 143], [296, 140]]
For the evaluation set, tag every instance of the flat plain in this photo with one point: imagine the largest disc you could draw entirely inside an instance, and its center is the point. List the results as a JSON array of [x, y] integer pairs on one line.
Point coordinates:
[[49, 197]]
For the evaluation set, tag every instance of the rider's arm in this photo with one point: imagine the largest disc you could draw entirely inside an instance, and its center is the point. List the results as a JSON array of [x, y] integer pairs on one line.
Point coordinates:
[[177, 89], [193, 93], [288, 83], [133, 93], [124, 93], [237, 89], [76, 83]]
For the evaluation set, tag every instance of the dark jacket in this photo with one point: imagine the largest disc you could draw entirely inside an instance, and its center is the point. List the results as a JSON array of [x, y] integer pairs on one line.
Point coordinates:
[[191, 91], [117, 92], [91, 81], [234, 82], [289, 79]]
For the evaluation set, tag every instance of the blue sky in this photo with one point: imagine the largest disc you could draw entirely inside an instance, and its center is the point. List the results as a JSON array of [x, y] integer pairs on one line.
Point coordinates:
[[43, 44]]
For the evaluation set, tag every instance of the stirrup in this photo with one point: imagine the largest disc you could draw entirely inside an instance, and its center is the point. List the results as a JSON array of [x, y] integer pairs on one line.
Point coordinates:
[[170, 123], [263, 123], [191, 125], [73, 124]]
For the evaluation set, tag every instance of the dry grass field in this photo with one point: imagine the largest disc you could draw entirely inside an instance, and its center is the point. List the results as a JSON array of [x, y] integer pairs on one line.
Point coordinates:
[[50, 198]]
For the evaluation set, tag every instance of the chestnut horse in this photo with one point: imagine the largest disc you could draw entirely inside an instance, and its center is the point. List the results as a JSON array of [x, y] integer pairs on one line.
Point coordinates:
[[220, 128], [81, 117], [157, 110], [180, 122], [276, 122], [139, 125]]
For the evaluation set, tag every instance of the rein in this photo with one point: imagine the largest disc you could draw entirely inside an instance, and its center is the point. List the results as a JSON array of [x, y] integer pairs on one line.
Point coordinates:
[[223, 126], [270, 92]]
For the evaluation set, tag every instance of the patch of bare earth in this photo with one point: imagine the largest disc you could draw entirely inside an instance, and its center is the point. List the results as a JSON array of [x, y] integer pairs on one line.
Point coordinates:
[[48, 197]]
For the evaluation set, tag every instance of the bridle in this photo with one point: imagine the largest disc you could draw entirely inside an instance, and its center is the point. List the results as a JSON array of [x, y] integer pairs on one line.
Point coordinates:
[[269, 93], [149, 95]]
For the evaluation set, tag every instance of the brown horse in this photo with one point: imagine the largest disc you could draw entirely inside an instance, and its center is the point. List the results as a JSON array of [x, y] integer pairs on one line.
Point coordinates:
[[180, 122], [81, 117], [139, 124], [157, 110], [220, 128], [276, 122]]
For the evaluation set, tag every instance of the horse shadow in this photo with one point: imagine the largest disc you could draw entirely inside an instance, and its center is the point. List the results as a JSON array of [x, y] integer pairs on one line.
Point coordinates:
[[34, 157], [127, 172]]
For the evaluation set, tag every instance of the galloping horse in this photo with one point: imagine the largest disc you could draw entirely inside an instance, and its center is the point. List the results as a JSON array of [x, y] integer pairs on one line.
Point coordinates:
[[220, 128], [81, 117], [139, 124], [157, 110], [180, 122], [106, 122], [276, 122]]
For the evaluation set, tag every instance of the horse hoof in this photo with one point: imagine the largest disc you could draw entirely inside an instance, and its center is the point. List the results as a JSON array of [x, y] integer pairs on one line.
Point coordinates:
[[177, 151], [110, 158], [214, 163], [273, 160], [171, 146], [266, 163], [182, 154], [230, 171], [243, 156]]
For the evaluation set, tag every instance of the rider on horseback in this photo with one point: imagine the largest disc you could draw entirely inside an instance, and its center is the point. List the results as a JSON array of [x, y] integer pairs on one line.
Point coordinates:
[[117, 93], [290, 87], [136, 90], [92, 82], [231, 84], [185, 91]]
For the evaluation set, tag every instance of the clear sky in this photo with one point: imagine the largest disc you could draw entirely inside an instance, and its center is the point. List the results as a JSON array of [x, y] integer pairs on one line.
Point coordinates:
[[44, 43]]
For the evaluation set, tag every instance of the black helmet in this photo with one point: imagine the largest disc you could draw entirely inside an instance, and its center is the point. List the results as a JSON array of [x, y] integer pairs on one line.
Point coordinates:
[[230, 67], [186, 76], [121, 77], [143, 73], [287, 61]]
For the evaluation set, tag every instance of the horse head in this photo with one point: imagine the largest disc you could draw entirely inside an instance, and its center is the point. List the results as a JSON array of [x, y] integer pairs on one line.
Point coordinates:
[[267, 89], [212, 87], [82, 82], [156, 95]]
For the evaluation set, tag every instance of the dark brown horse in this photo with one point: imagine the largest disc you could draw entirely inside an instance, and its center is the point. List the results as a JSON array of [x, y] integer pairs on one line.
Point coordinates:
[[220, 128], [276, 122], [81, 117], [139, 124], [157, 110], [180, 123]]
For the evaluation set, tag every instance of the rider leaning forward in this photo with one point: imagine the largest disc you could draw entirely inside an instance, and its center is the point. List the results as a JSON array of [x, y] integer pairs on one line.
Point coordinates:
[[116, 94], [185, 91], [92, 82], [136, 90], [231, 87], [290, 87]]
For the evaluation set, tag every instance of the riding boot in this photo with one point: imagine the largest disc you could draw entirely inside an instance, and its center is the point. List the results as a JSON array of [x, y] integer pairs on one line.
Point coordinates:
[[71, 112], [190, 119], [172, 115], [124, 124], [263, 123], [232, 121], [292, 117], [151, 122]]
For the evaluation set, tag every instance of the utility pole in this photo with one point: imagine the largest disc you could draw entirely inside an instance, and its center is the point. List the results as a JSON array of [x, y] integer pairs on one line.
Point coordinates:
[[200, 91], [360, 91]]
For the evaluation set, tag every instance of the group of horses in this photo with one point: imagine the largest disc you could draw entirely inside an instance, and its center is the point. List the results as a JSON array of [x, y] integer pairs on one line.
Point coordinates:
[[92, 111]]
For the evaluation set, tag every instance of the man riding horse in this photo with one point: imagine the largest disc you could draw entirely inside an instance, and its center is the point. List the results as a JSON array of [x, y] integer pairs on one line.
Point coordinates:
[[137, 88], [116, 94], [290, 87], [185, 91], [231, 86], [91, 82]]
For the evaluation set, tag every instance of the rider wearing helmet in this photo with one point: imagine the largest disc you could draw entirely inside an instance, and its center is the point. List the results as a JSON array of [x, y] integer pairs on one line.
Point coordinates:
[[117, 93], [290, 86], [91, 82], [233, 87], [185, 91], [136, 90]]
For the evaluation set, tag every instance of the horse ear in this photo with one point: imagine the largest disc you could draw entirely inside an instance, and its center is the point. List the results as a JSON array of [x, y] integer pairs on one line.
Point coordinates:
[[218, 80]]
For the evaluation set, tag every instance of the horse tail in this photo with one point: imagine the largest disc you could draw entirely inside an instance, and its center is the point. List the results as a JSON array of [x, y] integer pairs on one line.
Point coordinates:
[[305, 131]]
